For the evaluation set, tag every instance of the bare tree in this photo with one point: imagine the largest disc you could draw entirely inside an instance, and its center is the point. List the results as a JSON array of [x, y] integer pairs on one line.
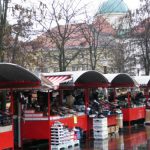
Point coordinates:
[[4, 28], [95, 30], [123, 56], [140, 34], [21, 30], [58, 21]]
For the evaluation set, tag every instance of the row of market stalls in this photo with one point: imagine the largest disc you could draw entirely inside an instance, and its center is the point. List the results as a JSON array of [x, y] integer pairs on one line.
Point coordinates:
[[72, 98]]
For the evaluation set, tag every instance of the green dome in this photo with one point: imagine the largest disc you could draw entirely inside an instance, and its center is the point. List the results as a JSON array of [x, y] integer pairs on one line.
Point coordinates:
[[113, 6]]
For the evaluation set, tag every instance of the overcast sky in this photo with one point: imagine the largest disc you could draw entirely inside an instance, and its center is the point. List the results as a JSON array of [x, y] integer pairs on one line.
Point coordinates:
[[93, 4], [92, 8], [132, 4]]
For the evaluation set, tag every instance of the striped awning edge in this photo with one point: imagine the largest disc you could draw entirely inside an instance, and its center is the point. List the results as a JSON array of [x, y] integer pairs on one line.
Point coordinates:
[[57, 80]]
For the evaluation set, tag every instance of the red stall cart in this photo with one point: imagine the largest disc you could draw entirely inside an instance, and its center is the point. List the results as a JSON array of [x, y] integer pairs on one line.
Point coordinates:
[[12, 77], [144, 84], [125, 81], [38, 127]]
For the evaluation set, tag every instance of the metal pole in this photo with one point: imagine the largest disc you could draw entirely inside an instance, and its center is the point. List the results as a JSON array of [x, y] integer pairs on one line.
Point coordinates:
[[49, 129], [86, 95], [129, 99], [12, 112], [19, 125]]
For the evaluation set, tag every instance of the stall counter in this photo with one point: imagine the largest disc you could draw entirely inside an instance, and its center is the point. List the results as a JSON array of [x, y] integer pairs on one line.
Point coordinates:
[[38, 127], [132, 114], [6, 137]]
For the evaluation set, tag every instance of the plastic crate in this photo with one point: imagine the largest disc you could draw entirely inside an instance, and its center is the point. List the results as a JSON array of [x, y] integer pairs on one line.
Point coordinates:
[[104, 136], [100, 122], [97, 127], [100, 134], [71, 144]]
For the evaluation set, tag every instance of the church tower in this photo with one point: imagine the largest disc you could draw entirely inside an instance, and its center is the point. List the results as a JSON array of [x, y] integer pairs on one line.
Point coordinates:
[[112, 11]]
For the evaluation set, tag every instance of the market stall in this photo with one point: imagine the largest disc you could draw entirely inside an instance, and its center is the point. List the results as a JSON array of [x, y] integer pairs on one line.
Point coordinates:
[[130, 107], [144, 84], [62, 86], [12, 77]]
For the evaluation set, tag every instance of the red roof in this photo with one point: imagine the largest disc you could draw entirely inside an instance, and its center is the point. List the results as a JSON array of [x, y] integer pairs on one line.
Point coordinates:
[[142, 26], [76, 38]]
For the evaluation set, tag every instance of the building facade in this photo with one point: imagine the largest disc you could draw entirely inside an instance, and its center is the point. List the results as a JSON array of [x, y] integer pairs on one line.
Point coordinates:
[[78, 51]]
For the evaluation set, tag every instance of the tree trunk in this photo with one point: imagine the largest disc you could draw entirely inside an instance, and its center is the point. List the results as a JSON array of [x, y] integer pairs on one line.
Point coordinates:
[[3, 18]]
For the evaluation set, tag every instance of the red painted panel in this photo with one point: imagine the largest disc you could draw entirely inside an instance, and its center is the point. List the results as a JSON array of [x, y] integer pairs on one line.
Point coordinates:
[[35, 129], [130, 114], [82, 122], [39, 129], [6, 140], [112, 120]]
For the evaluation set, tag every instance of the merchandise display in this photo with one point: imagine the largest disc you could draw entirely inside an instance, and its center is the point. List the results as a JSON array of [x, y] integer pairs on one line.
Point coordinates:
[[5, 119], [58, 108]]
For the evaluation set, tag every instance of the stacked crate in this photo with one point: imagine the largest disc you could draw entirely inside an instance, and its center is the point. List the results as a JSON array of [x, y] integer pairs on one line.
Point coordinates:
[[62, 137], [100, 129], [57, 134]]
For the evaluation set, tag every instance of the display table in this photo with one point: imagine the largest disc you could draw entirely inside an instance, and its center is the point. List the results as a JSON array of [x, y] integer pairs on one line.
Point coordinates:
[[6, 137], [133, 114], [38, 127]]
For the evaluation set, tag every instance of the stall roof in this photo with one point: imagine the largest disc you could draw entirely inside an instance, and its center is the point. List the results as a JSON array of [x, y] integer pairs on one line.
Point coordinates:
[[120, 80], [143, 81], [77, 78], [15, 76]]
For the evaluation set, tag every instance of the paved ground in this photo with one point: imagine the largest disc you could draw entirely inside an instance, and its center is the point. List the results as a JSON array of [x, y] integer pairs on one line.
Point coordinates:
[[135, 138]]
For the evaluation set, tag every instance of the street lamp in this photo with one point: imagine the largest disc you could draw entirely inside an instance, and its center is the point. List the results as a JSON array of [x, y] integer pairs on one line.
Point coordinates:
[[138, 69], [105, 65]]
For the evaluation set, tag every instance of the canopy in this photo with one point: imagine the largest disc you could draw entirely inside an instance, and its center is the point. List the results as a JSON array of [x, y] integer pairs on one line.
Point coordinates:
[[143, 81], [76, 78], [120, 80], [14, 76]]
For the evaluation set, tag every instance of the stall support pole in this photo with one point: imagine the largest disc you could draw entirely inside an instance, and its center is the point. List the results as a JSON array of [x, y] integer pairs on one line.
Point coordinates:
[[49, 135], [129, 99], [61, 96], [86, 94], [86, 99], [147, 95], [12, 112], [20, 141], [114, 90]]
